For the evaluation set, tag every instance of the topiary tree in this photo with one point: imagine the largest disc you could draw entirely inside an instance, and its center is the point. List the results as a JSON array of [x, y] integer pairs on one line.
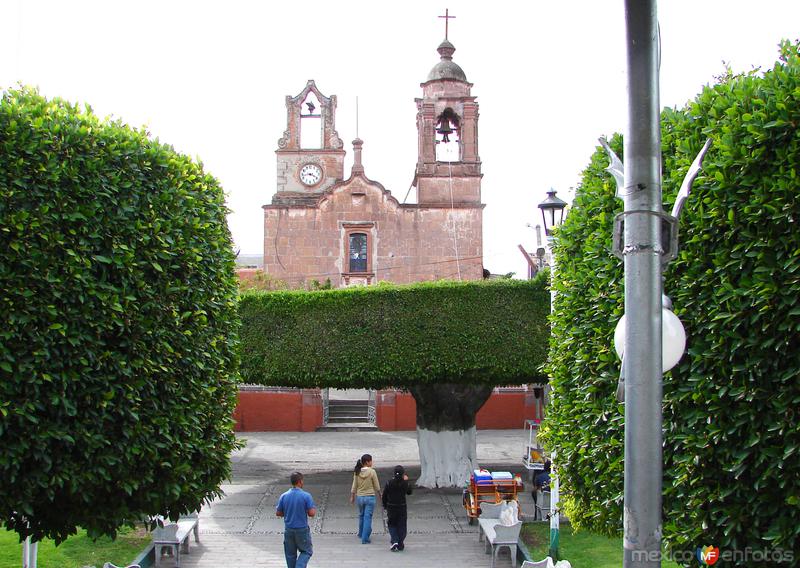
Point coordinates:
[[117, 324], [732, 441], [448, 343]]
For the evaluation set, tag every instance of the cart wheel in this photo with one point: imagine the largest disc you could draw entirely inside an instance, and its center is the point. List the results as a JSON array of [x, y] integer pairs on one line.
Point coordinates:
[[470, 506]]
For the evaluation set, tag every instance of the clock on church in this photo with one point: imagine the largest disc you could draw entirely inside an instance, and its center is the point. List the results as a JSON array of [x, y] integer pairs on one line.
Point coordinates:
[[310, 174]]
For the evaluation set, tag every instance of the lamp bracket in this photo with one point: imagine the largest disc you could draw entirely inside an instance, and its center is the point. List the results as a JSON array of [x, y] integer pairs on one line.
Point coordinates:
[[669, 236], [688, 180], [615, 168]]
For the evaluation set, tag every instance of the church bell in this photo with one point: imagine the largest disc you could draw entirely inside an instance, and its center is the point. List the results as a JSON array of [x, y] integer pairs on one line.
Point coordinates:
[[445, 130]]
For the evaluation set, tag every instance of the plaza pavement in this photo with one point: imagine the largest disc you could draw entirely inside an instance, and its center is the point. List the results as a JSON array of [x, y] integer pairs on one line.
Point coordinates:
[[242, 531]]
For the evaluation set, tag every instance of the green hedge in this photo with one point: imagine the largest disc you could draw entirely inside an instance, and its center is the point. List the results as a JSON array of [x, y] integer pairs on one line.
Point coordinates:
[[117, 323], [389, 335], [732, 436]]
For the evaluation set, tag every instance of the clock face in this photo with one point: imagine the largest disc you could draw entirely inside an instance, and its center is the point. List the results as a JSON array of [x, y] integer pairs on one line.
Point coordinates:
[[310, 174]]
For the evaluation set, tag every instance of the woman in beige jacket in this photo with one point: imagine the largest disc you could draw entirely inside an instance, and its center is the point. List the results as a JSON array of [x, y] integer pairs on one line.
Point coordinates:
[[366, 491]]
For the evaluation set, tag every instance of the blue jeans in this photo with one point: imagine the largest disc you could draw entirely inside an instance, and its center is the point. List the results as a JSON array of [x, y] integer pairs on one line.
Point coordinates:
[[366, 504], [297, 541]]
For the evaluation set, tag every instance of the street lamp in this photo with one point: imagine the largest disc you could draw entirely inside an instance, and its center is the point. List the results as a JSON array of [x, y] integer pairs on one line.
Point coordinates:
[[673, 337], [553, 214]]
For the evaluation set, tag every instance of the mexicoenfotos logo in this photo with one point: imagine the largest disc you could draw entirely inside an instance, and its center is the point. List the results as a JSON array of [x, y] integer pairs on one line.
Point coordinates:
[[708, 555]]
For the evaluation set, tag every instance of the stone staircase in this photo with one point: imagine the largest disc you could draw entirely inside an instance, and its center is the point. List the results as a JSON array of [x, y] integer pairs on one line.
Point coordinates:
[[348, 415]]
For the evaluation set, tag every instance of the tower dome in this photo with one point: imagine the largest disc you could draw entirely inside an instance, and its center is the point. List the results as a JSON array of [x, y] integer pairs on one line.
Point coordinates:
[[446, 68]]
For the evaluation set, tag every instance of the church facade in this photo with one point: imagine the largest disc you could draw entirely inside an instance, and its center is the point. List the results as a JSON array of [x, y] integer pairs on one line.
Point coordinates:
[[321, 226]]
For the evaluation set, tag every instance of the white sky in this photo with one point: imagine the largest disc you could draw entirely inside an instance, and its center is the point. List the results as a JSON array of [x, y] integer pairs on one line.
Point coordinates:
[[211, 78]]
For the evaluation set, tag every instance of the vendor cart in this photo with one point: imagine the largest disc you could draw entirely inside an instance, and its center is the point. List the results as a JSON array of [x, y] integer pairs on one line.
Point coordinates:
[[492, 488]]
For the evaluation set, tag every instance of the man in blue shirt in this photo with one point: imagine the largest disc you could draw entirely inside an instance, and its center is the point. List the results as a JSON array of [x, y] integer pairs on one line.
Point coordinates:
[[295, 506]]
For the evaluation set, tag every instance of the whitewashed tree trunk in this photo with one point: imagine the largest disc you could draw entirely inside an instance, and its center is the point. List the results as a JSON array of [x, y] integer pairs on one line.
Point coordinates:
[[446, 431], [447, 458]]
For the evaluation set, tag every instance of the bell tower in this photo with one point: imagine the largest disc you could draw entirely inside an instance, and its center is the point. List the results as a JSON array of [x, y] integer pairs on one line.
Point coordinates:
[[448, 166], [310, 153]]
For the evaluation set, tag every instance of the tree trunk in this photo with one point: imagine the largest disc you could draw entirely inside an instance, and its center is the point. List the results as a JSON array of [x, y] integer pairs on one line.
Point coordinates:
[[446, 431]]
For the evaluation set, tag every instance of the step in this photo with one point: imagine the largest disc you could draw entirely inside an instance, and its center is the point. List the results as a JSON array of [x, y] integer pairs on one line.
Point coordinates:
[[355, 419], [349, 408], [348, 427], [353, 411]]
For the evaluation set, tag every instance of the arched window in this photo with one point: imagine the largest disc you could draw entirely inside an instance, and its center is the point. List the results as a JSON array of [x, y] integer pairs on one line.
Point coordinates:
[[358, 252]]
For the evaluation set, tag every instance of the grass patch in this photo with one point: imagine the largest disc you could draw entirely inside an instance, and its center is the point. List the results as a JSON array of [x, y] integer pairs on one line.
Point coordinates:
[[77, 551], [583, 549]]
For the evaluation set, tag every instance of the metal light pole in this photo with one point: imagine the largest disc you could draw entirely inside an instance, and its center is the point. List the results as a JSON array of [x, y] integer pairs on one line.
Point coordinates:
[[649, 338], [553, 215], [642, 252]]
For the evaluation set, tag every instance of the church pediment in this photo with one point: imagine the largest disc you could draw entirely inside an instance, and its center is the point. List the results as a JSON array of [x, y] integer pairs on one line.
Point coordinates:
[[311, 87], [357, 190]]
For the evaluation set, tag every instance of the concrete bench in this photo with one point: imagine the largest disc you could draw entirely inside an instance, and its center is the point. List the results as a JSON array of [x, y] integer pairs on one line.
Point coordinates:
[[175, 538], [498, 536], [489, 511]]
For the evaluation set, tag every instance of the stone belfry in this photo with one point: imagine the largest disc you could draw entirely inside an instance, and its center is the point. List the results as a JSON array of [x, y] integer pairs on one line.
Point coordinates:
[[310, 154], [448, 166]]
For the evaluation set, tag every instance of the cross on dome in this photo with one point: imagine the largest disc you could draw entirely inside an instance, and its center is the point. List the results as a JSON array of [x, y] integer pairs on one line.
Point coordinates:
[[447, 17]]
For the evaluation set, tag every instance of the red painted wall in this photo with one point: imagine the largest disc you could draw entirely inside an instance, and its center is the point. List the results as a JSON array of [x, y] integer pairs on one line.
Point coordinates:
[[395, 411], [282, 411], [287, 410], [505, 409]]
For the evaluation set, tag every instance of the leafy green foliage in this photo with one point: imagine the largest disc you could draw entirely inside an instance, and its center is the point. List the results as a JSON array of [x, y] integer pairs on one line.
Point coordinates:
[[117, 324], [732, 437], [584, 423], [388, 335]]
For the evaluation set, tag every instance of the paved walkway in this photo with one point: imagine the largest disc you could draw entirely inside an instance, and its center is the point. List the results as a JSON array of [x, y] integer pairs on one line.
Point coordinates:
[[242, 531]]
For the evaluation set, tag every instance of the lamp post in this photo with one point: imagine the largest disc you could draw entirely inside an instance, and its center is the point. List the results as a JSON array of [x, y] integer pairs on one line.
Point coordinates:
[[553, 215], [642, 252], [651, 339]]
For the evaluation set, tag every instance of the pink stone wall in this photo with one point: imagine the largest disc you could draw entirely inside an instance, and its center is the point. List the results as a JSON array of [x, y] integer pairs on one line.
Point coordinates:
[[290, 163], [457, 190], [407, 243]]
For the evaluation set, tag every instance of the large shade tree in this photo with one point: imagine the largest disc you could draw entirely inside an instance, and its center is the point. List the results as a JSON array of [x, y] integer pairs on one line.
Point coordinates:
[[732, 435], [118, 324], [447, 343]]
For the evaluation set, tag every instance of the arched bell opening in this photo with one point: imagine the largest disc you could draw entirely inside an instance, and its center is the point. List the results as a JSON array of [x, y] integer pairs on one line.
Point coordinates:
[[448, 137], [310, 123]]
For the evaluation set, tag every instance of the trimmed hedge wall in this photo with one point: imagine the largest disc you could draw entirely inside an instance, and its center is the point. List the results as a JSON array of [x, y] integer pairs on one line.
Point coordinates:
[[388, 335], [118, 324], [732, 435]]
